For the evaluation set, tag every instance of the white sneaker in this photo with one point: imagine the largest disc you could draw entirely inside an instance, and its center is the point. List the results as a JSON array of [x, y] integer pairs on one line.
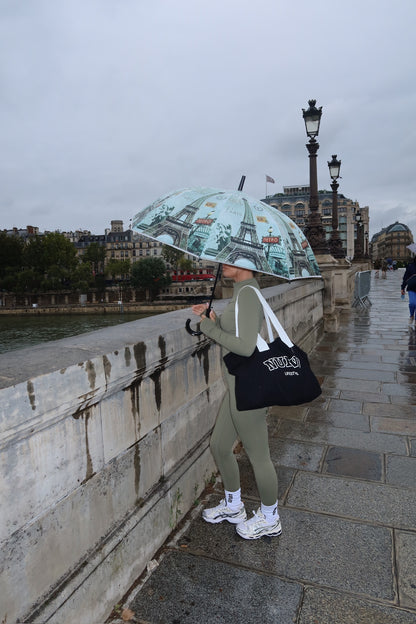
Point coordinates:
[[221, 512], [257, 526]]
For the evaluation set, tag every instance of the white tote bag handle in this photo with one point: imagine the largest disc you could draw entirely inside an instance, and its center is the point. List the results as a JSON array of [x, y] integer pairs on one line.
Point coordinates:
[[271, 319]]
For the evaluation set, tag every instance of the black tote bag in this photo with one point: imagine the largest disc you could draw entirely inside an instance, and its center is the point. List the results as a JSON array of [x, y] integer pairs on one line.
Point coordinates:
[[277, 373]]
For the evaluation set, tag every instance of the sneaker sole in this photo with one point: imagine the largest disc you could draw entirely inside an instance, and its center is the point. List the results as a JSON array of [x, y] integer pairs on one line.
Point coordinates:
[[268, 534], [225, 519]]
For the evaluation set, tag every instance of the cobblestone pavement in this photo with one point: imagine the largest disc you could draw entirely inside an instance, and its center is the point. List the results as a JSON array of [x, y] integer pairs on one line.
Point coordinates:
[[347, 498]]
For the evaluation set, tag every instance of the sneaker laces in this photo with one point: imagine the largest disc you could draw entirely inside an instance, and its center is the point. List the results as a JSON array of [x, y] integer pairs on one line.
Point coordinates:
[[256, 517]]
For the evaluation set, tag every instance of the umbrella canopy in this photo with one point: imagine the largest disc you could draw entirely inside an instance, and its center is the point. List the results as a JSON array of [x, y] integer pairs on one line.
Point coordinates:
[[229, 227], [412, 247]]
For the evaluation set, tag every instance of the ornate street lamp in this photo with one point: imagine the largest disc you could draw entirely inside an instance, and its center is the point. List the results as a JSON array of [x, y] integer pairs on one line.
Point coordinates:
[[358, 248], [335, 243], [314, 230]]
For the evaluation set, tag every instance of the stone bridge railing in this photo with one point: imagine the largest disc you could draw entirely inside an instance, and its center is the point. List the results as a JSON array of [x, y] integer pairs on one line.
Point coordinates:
[[104, 446]]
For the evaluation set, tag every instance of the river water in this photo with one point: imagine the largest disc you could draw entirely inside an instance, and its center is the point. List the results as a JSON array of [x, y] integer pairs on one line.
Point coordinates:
[[17, 332]]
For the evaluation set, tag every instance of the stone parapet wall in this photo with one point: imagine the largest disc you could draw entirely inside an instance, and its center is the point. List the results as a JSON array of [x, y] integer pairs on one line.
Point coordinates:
[[104, 446]]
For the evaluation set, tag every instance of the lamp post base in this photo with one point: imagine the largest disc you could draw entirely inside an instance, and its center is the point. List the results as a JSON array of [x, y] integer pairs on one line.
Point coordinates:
[[316, 235], [336, 248]]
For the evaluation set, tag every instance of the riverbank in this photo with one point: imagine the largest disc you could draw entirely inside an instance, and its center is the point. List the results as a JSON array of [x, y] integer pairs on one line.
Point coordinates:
[[106, 308]]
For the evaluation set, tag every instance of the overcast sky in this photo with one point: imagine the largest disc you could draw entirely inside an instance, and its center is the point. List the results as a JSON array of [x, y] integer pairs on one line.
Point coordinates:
[[105, 105]]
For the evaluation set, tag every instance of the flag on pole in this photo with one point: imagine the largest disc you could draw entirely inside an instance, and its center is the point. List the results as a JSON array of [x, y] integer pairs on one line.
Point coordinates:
[[269, 179]]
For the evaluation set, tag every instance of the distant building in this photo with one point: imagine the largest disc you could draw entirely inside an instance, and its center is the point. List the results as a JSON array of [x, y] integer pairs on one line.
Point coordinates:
[[120, 244], [391, 242], [26, 233], [294, 202]]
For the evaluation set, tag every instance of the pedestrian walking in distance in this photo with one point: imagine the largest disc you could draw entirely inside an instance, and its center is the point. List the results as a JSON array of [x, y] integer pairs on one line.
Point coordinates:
[[409, 284]]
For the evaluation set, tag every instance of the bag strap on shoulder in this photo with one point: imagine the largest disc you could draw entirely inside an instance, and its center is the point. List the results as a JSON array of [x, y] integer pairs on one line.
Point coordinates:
[[271, 319]]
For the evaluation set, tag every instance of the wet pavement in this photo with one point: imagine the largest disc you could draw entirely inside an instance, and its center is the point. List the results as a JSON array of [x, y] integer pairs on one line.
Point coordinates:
[[347, 498]]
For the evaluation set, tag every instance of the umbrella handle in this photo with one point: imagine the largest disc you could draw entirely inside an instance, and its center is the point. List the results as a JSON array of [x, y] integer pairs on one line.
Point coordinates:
[[195, 332], [191, 331]]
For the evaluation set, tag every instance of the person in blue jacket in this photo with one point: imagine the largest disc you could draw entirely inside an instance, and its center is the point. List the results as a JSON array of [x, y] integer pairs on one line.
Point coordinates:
[[409, 284]]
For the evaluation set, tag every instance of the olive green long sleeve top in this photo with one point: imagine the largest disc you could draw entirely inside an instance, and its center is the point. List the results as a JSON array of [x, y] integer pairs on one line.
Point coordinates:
[[250, 318]]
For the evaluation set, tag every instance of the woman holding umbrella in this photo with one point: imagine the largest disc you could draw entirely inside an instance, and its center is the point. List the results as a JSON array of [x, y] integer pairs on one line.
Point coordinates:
[[249, 426], [219, 226]]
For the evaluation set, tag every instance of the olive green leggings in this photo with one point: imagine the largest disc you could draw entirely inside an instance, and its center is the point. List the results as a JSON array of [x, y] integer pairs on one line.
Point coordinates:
[[251, 427]]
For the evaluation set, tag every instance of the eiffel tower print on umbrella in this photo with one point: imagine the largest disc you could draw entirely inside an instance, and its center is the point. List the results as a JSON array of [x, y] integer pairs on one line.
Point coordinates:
[[229, 227]]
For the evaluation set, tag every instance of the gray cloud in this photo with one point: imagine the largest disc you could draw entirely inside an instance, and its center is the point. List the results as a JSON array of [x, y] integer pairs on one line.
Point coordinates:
[[105, 106]]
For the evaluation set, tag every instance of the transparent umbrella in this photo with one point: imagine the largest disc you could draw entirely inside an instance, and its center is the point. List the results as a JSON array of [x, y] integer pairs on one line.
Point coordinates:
[[229, 227]]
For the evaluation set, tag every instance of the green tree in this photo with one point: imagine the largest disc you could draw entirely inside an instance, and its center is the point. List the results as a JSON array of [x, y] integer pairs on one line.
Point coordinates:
[[185, 264], [150, 274], [95, 256], [11, 254], [172, 256], [117, 268], [81, 277], [27, 280], [52, 258]]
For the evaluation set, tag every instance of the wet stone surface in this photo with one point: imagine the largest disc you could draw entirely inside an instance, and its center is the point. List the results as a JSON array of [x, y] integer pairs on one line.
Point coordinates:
[[187, 590], [354, 463], [339, 419], [334, 436], [334, 552], [406, 555], [369, 502], [331, 608], [401, 471]]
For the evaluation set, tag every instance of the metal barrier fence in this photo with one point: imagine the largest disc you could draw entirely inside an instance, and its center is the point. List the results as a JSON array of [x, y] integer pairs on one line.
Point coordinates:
[[361, 289]]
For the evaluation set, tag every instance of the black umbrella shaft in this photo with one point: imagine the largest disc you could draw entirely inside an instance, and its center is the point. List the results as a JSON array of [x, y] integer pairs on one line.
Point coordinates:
[[240, 186]]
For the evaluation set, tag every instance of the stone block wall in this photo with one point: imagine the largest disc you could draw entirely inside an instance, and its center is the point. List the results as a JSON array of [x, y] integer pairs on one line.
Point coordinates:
[[104, 446]]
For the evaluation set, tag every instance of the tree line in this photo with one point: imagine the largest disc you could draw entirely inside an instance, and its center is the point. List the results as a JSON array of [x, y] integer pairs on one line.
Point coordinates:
[[50, 263]]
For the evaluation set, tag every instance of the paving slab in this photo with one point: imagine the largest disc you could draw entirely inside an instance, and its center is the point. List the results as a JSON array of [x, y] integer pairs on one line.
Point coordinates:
[[337, 553], [325, 607], [364, 397], [190, 590], [401, 400], [360, 385], [344, 420], [362, 364], [406, 567], [393, 425], [303, 455], [401, 471], [351, 407], [388, 409], [354, 463], [403, 390], [369, 502], [360, 373], [381, 442]]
